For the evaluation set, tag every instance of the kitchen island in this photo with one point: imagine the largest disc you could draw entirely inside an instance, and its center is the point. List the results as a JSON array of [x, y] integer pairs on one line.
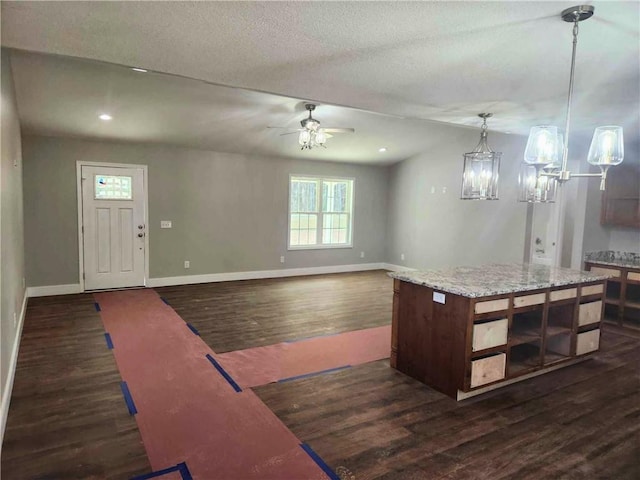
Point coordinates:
[[468, 330]]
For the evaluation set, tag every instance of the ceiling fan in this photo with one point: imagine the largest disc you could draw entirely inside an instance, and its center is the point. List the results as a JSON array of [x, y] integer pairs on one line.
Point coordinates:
[[311, 134]]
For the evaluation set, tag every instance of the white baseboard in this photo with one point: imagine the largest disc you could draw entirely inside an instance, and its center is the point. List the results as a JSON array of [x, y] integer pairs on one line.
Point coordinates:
[[48, 290], [397, 268], [8, 386], [255, 275]]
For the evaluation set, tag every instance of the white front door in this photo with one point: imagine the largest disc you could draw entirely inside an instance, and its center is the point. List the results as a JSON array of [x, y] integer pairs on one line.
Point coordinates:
[[113, 227]]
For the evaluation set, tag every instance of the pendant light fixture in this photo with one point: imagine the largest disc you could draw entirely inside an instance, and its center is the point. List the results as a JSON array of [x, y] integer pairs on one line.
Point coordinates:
[[481, 167], [547, 153]]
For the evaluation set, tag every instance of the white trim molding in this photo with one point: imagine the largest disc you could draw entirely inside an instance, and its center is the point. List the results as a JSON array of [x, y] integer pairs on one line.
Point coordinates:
[[48, 290], [255, 275], [8, 386], [397, 268]]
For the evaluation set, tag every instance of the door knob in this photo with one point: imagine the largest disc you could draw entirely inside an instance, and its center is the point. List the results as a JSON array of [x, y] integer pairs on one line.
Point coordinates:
[[141, 235]]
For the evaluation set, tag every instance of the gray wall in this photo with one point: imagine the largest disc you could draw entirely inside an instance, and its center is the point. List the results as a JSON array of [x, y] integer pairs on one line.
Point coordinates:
[[438, 229], [11, 227], [229, 211]]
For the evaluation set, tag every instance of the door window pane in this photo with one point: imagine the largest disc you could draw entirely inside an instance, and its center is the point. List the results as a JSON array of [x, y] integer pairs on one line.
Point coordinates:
[[113, 187]]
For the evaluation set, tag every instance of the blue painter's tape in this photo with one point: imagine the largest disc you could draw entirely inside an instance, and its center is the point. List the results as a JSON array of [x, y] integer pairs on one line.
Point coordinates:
[[107, 337], [97, 305], [164, 300], [184, 471], [223, 373], [128, 398], [181, 468], [313, 374], [193, 329], [316, 458]]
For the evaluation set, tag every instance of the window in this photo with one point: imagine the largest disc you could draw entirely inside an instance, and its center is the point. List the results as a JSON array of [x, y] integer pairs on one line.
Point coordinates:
[[320, 212], [112, 187]]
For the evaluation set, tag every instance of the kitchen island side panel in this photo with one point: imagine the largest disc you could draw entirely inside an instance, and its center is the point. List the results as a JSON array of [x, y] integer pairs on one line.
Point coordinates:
[[432, 337]]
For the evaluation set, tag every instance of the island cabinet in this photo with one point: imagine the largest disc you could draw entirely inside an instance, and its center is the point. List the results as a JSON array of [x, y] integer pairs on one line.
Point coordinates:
[[622, 298], [464, 337]]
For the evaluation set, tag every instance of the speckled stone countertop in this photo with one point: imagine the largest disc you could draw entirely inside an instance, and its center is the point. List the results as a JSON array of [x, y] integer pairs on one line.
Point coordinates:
[[493, 279], [617, 259]]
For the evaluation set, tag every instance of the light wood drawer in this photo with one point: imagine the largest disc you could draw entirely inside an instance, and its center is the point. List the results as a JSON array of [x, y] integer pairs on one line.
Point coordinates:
[[526, 300], [563, 294], [633, 276], [488, 369], [588, 342], [592, 290], [490, 334], [492, 305], [606, 271], [589, 313]]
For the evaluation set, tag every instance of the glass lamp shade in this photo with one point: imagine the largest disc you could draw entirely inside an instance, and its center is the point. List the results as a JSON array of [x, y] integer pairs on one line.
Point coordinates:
[[480, 176], [542, 146], [607, 147], [320, 137], [304, 138], [535, 188]]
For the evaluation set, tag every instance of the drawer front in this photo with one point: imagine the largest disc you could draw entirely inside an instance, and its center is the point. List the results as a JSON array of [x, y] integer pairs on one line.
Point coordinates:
[[592, 290], [492, 305], [589, 313], [490, 334], [633, 276], [563, 294], [606, 271], [588, 342], [488, 369], [526, 300]]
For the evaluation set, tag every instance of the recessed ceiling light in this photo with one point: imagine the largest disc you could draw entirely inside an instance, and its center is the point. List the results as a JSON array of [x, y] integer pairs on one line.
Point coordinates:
[[382, 150], [105, 117], [136, 69]]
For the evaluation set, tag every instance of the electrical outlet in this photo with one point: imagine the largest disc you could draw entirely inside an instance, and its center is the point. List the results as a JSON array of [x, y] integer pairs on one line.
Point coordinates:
[[187, 264], [15, 319], [282, 259], [166, 224], [402, 257], [24, 283], [444, 189], [361, 254]]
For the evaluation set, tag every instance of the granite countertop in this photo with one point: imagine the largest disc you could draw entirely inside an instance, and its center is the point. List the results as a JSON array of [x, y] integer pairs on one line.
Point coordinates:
[[615, 258], [494, 279]]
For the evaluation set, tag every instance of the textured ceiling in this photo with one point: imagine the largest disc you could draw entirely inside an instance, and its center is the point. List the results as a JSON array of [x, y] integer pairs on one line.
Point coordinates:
[[442, 61]]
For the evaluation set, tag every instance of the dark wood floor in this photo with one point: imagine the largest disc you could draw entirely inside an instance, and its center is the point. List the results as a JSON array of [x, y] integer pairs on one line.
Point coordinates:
[[253, 313], [67, 418], [372, 422]]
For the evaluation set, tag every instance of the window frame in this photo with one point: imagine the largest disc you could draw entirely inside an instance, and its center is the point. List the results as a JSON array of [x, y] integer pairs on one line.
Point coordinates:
[[319, 245]]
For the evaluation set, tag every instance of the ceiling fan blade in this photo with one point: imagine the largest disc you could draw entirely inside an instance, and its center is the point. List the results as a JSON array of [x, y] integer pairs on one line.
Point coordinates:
[[286, 128], [339, 130], [288, 133]]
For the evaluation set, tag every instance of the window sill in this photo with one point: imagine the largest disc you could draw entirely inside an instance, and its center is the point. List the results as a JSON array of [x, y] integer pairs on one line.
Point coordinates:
[[318, 247]]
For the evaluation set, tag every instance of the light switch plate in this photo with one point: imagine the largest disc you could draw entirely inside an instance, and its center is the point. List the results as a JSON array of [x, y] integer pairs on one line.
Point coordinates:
[[438, 297], [165, 223]]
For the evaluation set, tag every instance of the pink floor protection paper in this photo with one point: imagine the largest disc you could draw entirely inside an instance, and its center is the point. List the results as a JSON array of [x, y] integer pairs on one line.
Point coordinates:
[[261, 365], [186, 410]]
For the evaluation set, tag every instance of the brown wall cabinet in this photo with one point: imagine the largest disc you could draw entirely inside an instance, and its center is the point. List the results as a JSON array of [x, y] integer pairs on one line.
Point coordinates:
[[621, 199]]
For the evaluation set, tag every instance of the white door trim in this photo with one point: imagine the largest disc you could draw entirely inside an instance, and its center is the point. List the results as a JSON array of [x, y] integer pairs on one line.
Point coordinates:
[[79, 165]]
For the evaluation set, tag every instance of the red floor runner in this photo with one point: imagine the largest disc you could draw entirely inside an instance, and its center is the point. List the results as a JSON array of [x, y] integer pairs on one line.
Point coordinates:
[[262, 365], [187, 412]]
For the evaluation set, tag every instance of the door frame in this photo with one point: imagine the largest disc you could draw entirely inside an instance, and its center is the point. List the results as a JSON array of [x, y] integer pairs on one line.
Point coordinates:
[[79, 165]]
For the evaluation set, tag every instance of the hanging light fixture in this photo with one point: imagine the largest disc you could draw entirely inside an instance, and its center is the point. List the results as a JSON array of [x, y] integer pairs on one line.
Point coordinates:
[[311, 135], [547, 153], [480, 171]]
